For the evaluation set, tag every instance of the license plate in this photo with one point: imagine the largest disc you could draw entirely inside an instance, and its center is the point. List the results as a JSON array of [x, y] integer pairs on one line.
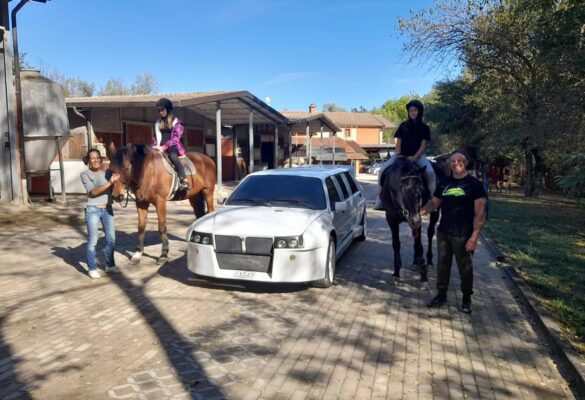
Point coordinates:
[[244, 274]]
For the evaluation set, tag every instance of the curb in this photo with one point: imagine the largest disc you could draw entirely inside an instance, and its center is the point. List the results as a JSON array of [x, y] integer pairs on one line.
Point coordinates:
[[571, 364]]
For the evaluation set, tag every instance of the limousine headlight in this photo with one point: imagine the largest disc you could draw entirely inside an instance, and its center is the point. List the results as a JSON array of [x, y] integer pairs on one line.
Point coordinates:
[[288, 242], [201, 238]]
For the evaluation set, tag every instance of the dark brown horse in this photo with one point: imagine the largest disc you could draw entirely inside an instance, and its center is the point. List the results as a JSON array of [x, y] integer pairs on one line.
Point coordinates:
[[142, 173]]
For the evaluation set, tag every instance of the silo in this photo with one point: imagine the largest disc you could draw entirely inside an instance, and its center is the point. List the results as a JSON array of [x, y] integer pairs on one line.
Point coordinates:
[[44, 117]]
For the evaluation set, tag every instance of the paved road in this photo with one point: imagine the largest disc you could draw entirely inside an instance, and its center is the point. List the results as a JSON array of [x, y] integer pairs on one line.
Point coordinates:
[[159, 333]]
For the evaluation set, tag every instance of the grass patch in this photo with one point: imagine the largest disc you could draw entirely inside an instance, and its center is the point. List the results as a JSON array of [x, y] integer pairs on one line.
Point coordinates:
[[545, 241]]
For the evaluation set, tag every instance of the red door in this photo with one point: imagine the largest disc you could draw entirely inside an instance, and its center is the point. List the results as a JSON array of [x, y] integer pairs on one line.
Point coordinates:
[[139, 134]]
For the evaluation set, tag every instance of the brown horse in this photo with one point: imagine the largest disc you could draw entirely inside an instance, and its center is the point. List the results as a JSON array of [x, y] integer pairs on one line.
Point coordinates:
[[142, 173]]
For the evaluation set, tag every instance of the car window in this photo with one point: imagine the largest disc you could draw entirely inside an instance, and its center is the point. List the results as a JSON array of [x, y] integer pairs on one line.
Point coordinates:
[[280, 190], [341, 184], [333, 193], [351, 181]]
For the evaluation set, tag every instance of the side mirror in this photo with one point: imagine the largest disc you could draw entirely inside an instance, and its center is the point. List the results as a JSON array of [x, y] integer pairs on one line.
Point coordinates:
[[341, 206]]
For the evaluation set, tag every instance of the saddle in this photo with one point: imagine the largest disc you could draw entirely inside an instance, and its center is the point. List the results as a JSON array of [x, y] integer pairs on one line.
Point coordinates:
[[170, 168]]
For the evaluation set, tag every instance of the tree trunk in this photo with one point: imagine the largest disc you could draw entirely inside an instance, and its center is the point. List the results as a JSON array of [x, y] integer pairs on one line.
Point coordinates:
[[538, 171], [529, 184]]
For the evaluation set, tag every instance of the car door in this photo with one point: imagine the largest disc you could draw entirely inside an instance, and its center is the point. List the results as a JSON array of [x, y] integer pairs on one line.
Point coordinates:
[[340, 218], [357, 198], [347, 213]]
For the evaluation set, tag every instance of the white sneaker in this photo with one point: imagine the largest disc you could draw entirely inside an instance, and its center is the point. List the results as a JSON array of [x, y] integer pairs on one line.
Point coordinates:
[[113, 270], [94, 274]]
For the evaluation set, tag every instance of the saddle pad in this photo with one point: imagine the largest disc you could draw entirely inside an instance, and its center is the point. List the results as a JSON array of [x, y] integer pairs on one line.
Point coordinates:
[[186, 161]]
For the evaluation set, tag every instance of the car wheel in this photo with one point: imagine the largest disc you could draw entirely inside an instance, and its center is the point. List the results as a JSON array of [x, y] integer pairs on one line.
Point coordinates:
[[327, 281], [364, 225]]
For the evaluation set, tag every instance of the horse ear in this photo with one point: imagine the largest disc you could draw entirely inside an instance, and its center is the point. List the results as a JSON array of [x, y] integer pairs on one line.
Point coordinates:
[[111, 150]]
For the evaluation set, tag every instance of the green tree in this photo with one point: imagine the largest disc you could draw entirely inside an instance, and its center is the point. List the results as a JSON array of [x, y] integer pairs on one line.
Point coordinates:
[[332, 107], [502, 44]]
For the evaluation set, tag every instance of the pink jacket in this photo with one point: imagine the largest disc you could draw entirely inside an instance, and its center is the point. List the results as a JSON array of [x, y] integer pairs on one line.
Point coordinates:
[[176, 134]]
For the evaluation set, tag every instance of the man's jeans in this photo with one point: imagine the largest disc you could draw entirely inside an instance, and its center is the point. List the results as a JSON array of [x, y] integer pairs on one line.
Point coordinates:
[[93, 215], [449, 246]]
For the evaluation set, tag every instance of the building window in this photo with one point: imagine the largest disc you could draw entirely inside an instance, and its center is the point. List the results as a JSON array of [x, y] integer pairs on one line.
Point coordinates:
[[347, 132]]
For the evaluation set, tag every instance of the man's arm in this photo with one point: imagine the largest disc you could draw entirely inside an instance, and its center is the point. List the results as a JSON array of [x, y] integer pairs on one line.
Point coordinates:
[[479, 207], [431, 206]]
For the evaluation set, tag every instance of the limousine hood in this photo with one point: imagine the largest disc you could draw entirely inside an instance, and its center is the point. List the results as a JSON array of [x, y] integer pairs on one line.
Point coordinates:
[[258, 221]]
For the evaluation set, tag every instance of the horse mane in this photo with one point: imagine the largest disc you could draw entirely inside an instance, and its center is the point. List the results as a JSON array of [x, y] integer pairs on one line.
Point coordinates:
[[140, 149]]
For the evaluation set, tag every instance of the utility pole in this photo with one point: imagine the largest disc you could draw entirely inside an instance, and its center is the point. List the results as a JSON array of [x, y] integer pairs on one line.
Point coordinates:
[[10, 182]]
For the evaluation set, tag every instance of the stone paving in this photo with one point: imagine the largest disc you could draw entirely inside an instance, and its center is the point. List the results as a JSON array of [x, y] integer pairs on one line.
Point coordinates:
[[160, 333]]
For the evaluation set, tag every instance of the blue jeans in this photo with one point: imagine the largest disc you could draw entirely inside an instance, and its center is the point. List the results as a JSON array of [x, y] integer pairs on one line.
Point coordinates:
[[93, 215]]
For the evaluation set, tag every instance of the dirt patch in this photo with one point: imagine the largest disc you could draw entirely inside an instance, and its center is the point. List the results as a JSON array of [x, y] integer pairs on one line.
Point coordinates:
[[39, 216]]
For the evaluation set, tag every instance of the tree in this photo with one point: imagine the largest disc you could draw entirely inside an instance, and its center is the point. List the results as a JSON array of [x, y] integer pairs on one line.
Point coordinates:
[[518, 71], [332, 107], [72, 87], [114, 87], [360, 109], [144, 84]]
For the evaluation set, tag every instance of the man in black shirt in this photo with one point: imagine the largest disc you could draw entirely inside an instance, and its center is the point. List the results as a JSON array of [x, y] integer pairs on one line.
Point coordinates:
[[462, 199]]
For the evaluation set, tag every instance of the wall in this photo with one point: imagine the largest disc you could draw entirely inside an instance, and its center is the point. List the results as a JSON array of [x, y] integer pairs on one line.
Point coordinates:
[[368, 135]]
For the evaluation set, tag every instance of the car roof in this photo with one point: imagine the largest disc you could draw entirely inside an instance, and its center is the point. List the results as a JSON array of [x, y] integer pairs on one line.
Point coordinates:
[[316, 171]]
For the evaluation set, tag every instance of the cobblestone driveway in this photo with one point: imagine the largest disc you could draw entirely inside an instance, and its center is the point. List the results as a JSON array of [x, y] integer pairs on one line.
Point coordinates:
[[159, 333]]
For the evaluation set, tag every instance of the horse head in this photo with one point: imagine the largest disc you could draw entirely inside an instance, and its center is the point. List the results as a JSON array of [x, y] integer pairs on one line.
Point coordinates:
[[127, 162], [404, 191]]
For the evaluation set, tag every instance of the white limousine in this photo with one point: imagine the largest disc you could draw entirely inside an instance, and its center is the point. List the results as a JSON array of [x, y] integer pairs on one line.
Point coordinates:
[[283, 225]]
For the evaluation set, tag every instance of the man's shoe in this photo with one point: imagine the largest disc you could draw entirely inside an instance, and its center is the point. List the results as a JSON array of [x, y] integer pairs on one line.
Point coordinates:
[[437, 301], [113, 270], [94, 274], [466, 305], [378, 204]]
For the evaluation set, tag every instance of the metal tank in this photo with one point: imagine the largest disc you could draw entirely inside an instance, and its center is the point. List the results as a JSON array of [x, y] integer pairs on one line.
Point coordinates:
[[44, 117]]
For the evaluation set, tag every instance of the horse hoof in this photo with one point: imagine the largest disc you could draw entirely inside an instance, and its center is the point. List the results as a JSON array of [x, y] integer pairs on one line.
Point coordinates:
[[162, 260]]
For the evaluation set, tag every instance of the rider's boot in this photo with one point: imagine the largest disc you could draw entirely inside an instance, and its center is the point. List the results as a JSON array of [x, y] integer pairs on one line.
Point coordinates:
[[183, 184]]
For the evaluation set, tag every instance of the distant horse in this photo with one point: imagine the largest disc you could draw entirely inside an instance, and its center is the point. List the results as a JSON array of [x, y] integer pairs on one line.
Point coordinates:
[[142, 172], [404, 192]]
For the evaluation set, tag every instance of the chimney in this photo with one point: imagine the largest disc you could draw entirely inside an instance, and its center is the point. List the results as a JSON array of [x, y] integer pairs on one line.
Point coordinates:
[[313, 109]]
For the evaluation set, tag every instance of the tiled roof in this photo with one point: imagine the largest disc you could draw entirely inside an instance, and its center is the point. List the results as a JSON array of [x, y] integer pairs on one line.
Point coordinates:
[[347, 119], [353, 150]]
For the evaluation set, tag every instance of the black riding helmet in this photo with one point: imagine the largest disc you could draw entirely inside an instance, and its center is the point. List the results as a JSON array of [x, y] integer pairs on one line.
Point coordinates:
[[165, 103]]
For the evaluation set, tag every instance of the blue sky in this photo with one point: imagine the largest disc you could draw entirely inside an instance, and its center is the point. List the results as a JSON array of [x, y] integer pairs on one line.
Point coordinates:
[[296, 52]]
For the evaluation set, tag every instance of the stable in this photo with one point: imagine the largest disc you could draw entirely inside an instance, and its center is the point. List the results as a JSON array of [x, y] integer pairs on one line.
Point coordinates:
[[240, 132]]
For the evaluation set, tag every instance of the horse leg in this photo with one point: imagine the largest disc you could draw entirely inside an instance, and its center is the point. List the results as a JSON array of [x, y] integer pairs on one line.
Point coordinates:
[[142, 208], [395, 229], [418, 255], [209, 198], [161, 212], [433, 219], [197, 204]]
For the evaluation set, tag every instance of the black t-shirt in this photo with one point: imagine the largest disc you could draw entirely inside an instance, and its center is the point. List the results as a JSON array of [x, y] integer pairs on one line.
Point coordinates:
[[457, 206], [412, 135]]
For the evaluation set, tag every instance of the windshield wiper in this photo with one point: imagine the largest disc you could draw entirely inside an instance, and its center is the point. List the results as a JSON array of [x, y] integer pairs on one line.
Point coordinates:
[[250, 200], [296, 201]]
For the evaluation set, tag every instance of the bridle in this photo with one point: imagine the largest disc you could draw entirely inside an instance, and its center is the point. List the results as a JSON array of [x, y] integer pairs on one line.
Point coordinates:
[[128, 195], [405, 212]]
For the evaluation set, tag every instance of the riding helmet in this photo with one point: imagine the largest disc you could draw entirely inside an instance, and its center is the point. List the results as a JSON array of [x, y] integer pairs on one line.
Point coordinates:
[[165, 103]]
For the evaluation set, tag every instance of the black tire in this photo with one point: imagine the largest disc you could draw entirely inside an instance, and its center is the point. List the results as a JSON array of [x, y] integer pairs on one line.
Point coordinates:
[[327, 281], [362, 237]]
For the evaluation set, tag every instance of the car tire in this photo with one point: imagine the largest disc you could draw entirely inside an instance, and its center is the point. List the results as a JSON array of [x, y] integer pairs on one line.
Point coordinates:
[[327, 281], [364, 224]]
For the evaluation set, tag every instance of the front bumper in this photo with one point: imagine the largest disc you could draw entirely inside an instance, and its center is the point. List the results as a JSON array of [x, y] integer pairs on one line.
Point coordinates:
[[286, 265]]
